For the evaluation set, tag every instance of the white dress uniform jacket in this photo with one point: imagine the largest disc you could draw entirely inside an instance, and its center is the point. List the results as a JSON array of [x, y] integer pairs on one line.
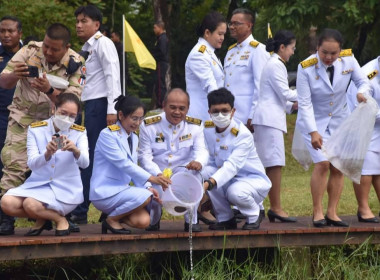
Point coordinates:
[[203, 73], [234, 154], [243, 65], [163, 145], [274, 95], [320, 104], [371, 69], [115, 166], [103, 71], [61, 172]]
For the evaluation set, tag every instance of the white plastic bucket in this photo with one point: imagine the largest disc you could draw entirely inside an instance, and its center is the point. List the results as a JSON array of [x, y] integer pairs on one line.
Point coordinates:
[[185, 191]]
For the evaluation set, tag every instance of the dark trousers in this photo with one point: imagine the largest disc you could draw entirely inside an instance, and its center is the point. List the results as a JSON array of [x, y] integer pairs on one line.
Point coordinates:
[[3, 133], [160, 84], [95, 120]]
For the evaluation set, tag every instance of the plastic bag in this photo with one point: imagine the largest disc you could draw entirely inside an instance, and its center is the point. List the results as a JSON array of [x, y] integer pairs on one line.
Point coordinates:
[[347, 146], [57, 82], [300, 151]]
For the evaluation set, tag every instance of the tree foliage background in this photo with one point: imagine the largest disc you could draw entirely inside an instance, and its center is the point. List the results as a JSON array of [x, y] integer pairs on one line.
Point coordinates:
[[358, 20]]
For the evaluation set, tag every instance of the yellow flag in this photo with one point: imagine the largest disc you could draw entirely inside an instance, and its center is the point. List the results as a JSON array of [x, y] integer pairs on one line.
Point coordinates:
[[269, 32], [133, 43]]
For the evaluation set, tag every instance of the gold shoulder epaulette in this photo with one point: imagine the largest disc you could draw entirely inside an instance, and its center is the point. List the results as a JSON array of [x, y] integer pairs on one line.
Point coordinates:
[[202, 49], [152, 120], [235, 131], [98, 36], [209, 124], [114, 127], [309, 62], [373, 74], [78, 127], [38, 124], [232, 46], [346, 52], [254, 44], [193, 120]]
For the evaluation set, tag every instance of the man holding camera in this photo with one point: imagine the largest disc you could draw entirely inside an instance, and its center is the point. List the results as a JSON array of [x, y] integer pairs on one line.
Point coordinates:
[[34, 99]]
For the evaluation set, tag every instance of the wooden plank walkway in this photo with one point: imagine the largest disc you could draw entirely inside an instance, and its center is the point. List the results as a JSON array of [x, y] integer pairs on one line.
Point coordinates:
[[171, 237]]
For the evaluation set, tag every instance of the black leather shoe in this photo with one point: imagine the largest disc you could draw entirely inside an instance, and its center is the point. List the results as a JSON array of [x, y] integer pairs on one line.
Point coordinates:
[[204, 219], [106, 227], [155, 227], [238, 215], [230, 224], [195, 227], [7, 226], [367, 220], [37, 231], [73, 227], [81, 220], [261, 215], [320, 223], [335, 223], [250, 226], [273, 216], [62, 232], [102, 217]]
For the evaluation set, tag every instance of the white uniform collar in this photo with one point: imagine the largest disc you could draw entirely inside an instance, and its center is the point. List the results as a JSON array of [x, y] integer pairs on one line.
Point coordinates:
[[166, 123], [228, 129], [91, 41], [246, 41], [322, 64]]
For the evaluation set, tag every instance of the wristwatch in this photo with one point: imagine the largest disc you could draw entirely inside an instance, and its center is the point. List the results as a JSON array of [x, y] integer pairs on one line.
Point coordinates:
[[210, 185], [50, 91]]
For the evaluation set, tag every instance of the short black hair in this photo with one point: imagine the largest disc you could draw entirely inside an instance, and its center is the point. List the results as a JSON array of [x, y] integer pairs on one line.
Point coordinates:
[[105, 29], [128, 104], [13, 18], [330, 34], [58, 31], [247, 13], [220, 96], [176, 89], [211, 22], [91, 11], [160, 24], [282, 37], [67, 97]]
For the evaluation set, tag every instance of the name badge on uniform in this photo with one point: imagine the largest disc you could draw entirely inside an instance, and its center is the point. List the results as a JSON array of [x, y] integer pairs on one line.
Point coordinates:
[[244, 57], [159, 137], [224, 148], [347, 71], [185, 137]]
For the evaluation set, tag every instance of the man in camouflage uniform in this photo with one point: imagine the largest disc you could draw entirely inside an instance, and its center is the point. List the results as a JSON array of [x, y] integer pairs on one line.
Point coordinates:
[[34, 99]]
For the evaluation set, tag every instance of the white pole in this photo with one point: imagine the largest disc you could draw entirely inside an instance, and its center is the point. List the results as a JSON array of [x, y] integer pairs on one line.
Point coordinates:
[[124, 85]]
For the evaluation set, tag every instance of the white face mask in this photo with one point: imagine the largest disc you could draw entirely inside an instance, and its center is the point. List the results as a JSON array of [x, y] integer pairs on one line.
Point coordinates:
[[221, 121], [63, 122]]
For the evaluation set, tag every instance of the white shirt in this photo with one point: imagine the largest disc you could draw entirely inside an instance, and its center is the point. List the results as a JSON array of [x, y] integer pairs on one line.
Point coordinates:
[[102, 71], [242, 68]]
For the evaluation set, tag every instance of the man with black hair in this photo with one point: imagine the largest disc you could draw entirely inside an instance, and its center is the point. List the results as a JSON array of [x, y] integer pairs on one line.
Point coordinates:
[[34, 99], [234, 173], [101, 89]]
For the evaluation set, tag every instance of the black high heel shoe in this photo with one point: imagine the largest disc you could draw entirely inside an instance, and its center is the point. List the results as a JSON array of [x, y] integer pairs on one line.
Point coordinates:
[[272, 216], [367, 220], [106, 226], [330, 222], [35, 232], [62, 232]]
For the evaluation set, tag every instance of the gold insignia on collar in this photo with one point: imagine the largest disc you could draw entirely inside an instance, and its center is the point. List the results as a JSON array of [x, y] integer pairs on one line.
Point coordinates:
[[202, 49], [232, 46], [114, 127], [38, 124], [373, 74], [152, 120], [346, 52], [193, 120], [78, 127], [98, 36], [309, 62], [254, 44], [235, 131], [209, 124]]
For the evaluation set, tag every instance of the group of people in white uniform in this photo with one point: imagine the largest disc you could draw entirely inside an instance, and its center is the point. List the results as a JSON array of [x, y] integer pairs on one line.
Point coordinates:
[[228, 126]]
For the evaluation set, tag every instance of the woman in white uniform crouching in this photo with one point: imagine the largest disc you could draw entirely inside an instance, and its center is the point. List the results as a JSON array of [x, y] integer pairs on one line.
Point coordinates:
[[119, 187], [57, 148], [270, 118]]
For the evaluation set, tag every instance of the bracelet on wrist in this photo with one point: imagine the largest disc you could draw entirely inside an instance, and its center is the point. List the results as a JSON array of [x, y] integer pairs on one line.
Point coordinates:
[[210, 185], [50, 91]]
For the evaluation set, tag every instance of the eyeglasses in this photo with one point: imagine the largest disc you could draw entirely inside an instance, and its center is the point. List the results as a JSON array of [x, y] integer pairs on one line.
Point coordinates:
[[235, 23], [223, 112], [137, 119]]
